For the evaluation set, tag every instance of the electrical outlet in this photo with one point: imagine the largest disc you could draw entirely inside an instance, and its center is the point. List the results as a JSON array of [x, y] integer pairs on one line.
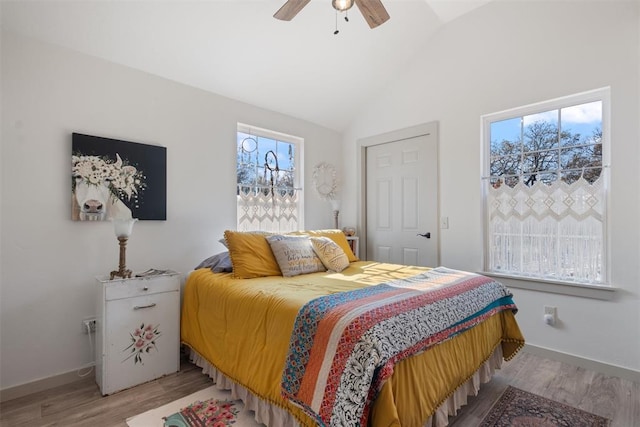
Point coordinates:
[[89, 324], [550, 315]]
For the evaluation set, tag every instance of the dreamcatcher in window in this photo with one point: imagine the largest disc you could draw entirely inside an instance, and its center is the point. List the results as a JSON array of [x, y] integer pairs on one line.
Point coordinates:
[[246, 168], [249, 145], [271, 165]]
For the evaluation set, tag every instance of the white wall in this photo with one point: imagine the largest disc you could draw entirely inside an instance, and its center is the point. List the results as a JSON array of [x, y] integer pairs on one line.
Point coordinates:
[[49, 262], [505, 55]]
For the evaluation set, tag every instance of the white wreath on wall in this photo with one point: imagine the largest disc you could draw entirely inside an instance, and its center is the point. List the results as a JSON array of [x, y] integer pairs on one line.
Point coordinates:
[[325, 181]]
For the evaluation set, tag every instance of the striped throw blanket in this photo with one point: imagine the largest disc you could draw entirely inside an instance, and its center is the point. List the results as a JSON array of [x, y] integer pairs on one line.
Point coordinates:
[[345, 345]]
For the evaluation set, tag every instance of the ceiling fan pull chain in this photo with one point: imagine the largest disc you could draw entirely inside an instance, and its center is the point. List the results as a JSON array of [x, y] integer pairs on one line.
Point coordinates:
[[336, 31]]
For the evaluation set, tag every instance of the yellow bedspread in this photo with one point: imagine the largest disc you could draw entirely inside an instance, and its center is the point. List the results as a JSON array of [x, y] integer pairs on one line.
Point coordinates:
[[243, 328]]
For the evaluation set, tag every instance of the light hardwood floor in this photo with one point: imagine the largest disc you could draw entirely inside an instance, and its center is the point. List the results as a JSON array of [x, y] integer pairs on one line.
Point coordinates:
[[80, 403]]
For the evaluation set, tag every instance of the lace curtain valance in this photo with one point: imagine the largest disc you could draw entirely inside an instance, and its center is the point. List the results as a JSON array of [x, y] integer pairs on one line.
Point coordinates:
[[267, 209], [536, 229]]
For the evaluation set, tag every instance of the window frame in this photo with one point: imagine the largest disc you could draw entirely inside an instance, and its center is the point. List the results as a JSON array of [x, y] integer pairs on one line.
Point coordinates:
[[298, 177], [542, 283]]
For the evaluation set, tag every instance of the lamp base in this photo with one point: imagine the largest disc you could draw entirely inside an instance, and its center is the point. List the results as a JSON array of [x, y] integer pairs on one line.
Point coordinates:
[[122, 267], [125, 274]]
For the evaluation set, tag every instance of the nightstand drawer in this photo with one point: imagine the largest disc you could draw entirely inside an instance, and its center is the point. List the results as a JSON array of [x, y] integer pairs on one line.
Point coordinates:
[[140, 286]]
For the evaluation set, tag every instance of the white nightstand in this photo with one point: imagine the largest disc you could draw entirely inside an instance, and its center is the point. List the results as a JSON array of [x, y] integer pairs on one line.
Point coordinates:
[[137, 330], [354, 243]]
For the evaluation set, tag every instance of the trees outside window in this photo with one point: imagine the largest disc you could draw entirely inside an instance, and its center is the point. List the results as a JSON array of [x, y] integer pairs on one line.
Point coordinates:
[[547, 147]]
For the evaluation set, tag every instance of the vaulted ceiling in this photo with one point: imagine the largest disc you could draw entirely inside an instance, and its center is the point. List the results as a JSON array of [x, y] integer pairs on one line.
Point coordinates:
[[236, 48]]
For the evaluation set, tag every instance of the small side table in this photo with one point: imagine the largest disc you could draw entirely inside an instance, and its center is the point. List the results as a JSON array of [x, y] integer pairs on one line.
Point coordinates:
[[354, 243], [137, 330]]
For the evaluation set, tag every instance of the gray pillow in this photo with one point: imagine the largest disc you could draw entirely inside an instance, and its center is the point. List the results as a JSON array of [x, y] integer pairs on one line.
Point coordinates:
[[295, 255], [218, 263]]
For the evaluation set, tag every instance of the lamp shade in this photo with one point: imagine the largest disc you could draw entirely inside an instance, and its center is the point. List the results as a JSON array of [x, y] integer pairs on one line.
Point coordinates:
[[123, 227]]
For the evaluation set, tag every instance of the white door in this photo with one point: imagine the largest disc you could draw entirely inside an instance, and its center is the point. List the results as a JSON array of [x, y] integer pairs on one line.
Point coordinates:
[[402, 201]]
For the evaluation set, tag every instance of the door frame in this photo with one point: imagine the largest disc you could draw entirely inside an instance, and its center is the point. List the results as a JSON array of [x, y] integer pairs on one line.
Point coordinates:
[[431, 129]]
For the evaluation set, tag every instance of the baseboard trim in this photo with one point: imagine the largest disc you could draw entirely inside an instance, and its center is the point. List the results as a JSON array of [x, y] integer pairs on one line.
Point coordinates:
[[592, 365], [36, 386]]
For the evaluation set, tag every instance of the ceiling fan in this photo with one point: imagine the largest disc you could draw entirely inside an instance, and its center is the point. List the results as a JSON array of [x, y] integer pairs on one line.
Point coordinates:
[[373, 11]]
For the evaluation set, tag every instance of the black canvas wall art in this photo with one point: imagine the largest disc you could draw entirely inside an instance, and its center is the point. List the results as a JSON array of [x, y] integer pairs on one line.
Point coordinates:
[[113, 178]]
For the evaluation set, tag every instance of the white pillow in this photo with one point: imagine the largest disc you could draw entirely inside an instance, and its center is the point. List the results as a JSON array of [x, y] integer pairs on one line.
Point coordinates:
[[330, 253], [295, 255]]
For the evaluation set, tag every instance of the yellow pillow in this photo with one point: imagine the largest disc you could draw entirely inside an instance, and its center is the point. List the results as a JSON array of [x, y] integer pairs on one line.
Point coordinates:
[[251, 255], [335, 235], [331, 255]]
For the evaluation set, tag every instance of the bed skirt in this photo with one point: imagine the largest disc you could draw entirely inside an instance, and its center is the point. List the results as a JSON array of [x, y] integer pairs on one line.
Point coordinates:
[[272, 415]]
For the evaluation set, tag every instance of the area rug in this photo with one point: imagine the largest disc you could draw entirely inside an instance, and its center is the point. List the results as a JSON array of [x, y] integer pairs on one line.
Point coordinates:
[[206, 408], [518, 408]]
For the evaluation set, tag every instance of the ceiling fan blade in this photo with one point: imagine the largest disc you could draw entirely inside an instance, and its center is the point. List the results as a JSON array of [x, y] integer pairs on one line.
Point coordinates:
[[290, 9], [373, 11]]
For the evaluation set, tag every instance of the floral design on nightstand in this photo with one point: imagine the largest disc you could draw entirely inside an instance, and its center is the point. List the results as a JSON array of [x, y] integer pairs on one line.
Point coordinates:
[[143, 340]]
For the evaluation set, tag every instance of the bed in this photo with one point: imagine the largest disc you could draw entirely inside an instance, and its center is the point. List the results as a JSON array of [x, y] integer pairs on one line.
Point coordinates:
[[255, 328]]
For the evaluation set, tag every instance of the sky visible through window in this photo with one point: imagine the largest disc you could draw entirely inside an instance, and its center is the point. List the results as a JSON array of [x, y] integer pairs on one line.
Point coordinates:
[[258, 157], [583, 119]]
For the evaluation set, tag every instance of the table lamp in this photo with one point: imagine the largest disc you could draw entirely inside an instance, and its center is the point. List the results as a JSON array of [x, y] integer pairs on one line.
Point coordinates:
[[123, 228]]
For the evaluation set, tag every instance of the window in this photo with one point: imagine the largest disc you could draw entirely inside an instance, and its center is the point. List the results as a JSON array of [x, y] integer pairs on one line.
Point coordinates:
[[545, 190], [269, 197]]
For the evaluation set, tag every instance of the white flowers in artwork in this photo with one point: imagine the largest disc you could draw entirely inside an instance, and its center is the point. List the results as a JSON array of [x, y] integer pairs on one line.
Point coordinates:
[[95, 170]]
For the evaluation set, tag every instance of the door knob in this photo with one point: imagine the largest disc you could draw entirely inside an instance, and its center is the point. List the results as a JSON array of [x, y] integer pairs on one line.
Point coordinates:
[[426, 235]]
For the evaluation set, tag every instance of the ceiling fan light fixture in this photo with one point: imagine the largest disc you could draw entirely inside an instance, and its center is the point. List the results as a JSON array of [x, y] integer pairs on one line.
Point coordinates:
[[342, 5], [372, 10]]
